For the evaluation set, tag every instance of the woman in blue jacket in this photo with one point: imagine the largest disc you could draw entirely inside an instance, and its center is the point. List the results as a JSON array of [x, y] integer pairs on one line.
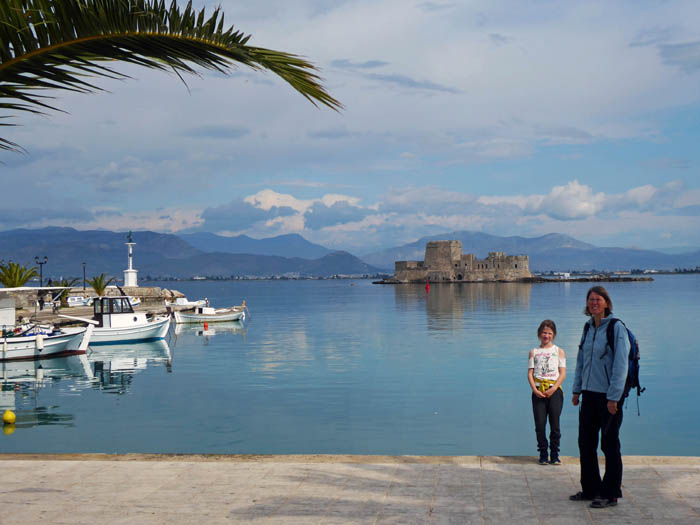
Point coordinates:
[[598, 385]]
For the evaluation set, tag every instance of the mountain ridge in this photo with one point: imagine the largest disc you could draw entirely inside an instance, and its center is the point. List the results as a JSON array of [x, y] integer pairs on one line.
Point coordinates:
[[549, 252], [171, 255], [159, 255], [280, 245]]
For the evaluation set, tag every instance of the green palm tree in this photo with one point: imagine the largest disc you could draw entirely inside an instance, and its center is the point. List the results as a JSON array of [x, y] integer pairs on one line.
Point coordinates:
[[99, 283], [58, 44], [14, 274]]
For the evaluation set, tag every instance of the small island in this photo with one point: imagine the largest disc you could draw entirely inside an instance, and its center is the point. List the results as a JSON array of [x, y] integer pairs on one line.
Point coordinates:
[[445, 263]]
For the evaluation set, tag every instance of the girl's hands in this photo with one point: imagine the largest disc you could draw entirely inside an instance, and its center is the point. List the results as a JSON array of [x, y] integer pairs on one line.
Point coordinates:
[[550, 392], [539, 394]]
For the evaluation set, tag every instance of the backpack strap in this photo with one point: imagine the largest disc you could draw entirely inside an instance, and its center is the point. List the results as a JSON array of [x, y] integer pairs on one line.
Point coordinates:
[[585, 333], [610, 332]]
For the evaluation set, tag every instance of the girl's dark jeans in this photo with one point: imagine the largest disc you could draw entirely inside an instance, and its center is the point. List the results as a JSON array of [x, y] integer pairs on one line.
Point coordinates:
[[543, 408]]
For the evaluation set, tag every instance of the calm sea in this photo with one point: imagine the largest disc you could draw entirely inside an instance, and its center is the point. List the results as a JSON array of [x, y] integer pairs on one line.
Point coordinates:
[[351, 367]]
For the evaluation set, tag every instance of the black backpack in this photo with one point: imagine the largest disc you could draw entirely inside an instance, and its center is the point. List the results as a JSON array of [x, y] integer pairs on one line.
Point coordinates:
[[632, 380]]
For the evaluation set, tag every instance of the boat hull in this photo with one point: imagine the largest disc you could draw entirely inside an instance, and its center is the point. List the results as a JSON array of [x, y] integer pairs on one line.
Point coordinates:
[[150, 331], [186, 317], [36, 347]]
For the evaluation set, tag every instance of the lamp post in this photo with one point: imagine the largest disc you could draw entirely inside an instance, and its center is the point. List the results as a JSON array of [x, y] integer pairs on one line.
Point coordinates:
[[83, 276], [41, 269]]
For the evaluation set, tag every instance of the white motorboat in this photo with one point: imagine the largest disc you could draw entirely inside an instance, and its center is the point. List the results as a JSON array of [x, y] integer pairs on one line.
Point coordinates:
[[76, 300], [117, 322], [209, 314], [37, 342]]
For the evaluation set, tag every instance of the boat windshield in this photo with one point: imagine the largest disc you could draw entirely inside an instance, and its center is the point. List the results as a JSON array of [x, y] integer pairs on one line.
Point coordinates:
[[113, 305]]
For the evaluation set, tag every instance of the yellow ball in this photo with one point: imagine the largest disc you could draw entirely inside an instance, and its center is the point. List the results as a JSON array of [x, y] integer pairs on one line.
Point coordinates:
[[8, 429], [9, 417]]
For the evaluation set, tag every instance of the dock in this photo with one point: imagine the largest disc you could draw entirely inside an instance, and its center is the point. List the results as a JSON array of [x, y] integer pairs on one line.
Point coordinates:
[[326, 489]]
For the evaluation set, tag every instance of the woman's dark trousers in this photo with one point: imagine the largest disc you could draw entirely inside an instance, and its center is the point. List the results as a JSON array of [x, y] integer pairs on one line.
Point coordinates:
[[595, 419], [543, 408]]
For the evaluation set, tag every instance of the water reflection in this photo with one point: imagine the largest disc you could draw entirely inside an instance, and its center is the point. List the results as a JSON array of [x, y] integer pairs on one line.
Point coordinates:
[[22, 382], [190, 333], [446, 304], [114, 366]]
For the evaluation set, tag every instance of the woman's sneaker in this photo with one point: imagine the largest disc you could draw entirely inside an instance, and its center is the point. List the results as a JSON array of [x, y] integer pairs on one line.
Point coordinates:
[[543, 459], [601, 503], [554, 460]]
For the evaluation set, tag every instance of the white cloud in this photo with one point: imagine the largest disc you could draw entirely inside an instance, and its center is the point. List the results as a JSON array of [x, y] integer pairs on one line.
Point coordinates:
[[267, 199], [569, 202], [444, 102]]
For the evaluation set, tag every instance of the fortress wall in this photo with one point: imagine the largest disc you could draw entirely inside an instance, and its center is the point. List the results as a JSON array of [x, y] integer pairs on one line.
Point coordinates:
[[444, 262], [441, 255], [407, 271]]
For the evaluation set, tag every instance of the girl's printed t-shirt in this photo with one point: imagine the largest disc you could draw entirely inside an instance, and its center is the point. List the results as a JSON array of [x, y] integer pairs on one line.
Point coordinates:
[[546, 363]]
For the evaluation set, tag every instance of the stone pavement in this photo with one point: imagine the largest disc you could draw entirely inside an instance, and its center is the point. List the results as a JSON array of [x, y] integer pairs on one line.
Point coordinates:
[[137, 488]]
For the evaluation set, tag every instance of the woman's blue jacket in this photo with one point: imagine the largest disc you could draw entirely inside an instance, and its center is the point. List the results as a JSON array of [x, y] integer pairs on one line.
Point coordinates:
[[597, 368]]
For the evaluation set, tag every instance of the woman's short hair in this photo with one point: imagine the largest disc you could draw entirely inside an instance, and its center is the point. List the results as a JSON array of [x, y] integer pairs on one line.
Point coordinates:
[[599, 290], [547, 323]]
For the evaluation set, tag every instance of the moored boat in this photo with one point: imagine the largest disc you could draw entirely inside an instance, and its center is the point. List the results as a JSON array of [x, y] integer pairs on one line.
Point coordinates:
[[37, 342], [76, 300], [209, 314], [117, 322]]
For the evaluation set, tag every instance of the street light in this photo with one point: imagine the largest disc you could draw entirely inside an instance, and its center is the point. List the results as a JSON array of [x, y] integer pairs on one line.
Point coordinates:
[[83, 276], [41, 269]]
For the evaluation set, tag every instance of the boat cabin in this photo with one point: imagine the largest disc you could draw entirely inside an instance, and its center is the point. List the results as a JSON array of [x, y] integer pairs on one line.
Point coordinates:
[[205, 310], [116, 312]]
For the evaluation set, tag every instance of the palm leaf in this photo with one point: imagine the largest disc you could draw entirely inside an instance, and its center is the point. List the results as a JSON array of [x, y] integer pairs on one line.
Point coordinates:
[[62, 44], [14, 274], [100, 283]]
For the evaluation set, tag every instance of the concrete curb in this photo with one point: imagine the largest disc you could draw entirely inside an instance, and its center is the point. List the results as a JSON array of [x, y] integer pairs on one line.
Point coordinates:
[[341, 458]]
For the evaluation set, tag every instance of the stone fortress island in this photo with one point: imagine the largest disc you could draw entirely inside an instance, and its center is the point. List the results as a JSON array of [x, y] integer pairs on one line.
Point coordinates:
[[445, 262]]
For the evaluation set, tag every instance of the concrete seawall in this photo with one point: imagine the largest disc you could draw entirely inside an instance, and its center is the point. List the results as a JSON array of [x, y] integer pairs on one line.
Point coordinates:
[[153, 488]]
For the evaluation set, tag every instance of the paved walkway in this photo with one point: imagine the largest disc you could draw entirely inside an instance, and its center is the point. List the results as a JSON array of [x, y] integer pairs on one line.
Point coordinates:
[[138, 489]]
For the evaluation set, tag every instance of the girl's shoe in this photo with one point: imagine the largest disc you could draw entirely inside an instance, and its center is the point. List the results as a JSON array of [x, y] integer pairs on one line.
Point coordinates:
[[554, 460], [543, 459]]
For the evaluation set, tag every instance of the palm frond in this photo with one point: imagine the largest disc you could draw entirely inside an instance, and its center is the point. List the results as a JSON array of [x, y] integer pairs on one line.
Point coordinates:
[[61, 44], [14, 274]]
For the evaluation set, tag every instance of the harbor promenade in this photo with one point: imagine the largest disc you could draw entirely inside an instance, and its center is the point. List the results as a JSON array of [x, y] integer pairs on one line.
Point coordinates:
[[137, 488]]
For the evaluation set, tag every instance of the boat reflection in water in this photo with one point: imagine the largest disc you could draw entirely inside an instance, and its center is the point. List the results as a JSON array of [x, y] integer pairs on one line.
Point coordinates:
[[114, 365], [22, 381], [191, 332]]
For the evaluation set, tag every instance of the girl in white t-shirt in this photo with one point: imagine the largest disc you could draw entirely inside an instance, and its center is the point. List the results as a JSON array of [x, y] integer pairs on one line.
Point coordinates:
[[546, 372]]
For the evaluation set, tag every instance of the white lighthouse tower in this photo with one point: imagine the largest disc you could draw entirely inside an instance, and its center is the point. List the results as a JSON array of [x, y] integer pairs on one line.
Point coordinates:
[[130, 275]]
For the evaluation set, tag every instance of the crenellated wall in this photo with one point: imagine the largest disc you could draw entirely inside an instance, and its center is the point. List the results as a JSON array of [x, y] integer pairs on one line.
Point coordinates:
[[444, 262]]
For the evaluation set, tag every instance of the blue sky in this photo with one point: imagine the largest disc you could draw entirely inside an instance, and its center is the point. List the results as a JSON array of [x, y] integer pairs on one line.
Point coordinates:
[[571, 117]]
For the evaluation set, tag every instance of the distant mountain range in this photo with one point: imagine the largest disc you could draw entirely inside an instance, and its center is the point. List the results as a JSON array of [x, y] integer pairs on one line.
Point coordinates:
[[553, 251], [207, 254], [166, 255], [283, 245]]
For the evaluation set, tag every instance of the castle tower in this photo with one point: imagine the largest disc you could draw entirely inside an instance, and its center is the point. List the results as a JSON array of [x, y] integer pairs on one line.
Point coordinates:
[[130, 275]]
